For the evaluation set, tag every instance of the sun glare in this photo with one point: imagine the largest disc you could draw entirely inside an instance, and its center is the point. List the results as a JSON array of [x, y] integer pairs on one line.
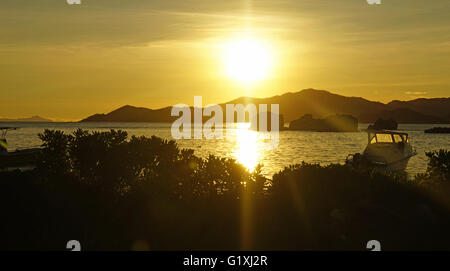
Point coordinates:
[[247, 60], [247, 152]]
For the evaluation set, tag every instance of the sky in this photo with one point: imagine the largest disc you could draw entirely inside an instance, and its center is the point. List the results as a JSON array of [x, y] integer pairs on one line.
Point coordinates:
[[66, 62]]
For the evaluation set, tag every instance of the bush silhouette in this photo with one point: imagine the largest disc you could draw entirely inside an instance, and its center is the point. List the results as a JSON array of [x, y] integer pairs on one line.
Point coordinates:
[[439, 165], [111, 192]]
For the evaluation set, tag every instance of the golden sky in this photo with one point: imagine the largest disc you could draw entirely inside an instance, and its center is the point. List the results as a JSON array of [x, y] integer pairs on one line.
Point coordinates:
[[69, 61]]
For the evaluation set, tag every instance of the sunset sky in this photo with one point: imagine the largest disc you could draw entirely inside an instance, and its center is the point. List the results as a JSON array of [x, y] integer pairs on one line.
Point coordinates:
[[66, 62]]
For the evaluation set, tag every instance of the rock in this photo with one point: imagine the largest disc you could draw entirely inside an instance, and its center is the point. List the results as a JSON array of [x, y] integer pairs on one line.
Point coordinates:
[[384, 124]]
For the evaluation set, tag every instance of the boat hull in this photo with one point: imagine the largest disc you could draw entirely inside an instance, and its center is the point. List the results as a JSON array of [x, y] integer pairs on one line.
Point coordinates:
[[395, 166], [365, 161], [392, 156]]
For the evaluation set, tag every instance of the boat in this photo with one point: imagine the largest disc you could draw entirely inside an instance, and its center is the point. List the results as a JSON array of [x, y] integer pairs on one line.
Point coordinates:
[[18, 159], [386, 149]]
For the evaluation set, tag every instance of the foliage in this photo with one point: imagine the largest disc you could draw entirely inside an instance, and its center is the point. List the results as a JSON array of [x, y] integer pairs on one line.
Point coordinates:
[[109, 163], [439, 165], [110, 192]]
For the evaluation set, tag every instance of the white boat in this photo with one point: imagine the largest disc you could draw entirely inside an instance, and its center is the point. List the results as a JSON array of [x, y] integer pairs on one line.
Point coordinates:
[[385, 149], [21, 159]]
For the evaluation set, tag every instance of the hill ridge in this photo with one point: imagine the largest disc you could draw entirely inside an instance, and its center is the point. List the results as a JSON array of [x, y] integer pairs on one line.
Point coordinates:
[[318, 103]]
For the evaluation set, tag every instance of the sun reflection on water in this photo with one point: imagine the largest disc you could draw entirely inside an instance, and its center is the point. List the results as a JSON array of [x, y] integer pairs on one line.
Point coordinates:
[[247, 151]]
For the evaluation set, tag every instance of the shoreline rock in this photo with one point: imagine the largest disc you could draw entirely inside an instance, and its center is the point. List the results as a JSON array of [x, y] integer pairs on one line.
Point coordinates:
[[384, 124]]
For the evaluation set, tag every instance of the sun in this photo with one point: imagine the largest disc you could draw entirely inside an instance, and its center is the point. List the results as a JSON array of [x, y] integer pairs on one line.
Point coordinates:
[[247, 60]]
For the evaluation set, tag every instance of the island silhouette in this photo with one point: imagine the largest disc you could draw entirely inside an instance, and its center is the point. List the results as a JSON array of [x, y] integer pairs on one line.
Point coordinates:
[[318, 103]]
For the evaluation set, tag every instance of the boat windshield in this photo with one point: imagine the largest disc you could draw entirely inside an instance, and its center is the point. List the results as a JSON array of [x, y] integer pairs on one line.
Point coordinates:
[[387, 138], [384, 138], [398, 138]]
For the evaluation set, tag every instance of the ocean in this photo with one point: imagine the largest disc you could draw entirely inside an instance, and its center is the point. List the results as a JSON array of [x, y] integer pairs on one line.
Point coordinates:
[[249, 147]]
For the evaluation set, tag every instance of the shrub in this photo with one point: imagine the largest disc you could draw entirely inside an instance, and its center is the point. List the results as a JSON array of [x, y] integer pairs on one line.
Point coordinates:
[[110, 163], [109, 192], [439, 165]]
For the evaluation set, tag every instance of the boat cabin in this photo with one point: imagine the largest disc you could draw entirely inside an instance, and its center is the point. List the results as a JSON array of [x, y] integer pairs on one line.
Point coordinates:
[[386, 149]]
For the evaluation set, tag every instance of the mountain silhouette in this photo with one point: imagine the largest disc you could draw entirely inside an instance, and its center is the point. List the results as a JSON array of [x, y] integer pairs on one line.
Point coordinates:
[[32, 119], [318, 103], [432, 107], [402, 115]]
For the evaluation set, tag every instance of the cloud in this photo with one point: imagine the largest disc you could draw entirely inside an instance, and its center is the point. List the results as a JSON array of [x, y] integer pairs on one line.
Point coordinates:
[[137, 22], [416, 93]]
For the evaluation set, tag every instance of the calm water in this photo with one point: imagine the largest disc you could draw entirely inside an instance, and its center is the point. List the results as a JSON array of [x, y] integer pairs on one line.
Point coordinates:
[[249, 147]]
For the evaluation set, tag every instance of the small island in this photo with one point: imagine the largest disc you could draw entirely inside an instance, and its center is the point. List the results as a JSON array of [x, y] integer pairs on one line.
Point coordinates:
[[438, 130], [335, 123]]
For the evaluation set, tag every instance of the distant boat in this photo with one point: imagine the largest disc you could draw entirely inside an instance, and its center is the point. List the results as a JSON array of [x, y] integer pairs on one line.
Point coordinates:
[[23, 158], [385, 149]]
